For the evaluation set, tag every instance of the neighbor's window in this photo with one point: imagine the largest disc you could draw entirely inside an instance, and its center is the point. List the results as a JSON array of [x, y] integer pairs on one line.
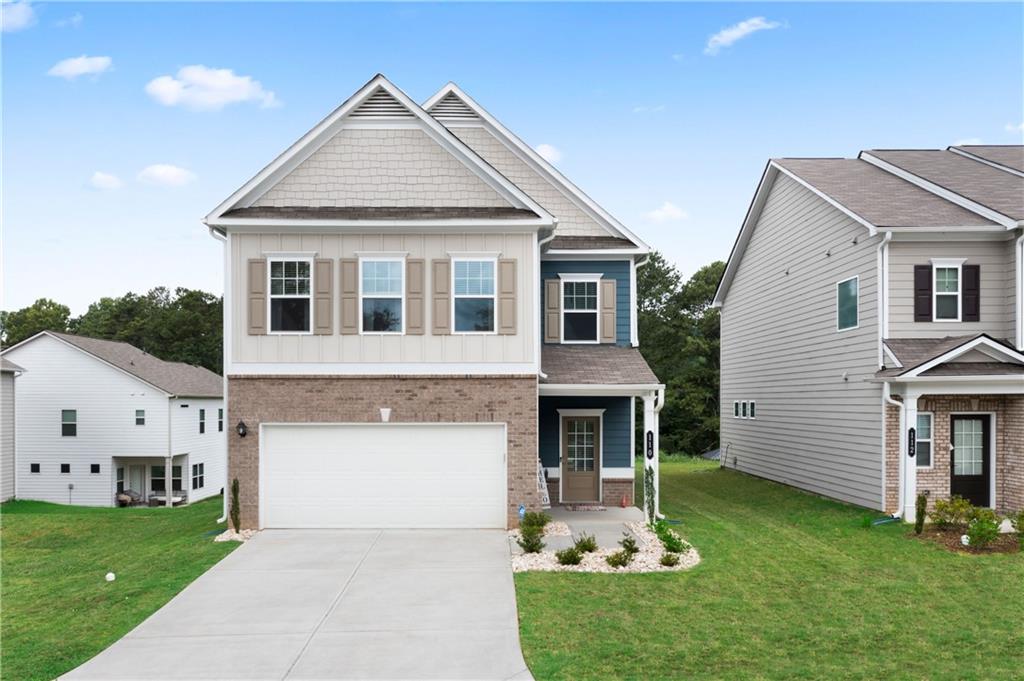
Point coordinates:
[[753, 410], [69, 422], [140, 417], [94, 468], [743, 409], [220, 420], [924, 440], [736, 409], [202, 421], [473, 296], [158, 478], [290, 308], [579, 311], [947, 293], [198, 475], [847, 293], [33, 468], [65, 468], [381, 287], [120, 479]]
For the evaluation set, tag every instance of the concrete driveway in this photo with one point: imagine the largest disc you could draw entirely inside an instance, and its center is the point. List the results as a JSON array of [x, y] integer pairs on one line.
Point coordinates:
[[335, 604]]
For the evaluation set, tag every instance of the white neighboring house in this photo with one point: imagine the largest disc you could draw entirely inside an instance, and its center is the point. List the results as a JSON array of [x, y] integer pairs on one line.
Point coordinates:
[[8, 371], [97, 417]]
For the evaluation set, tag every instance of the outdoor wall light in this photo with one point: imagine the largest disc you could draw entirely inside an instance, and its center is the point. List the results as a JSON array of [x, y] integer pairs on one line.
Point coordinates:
[[385, 414], [241, 429]]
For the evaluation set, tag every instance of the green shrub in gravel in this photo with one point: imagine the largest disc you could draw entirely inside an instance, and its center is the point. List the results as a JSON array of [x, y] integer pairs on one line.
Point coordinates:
[[670, 559], [585, 543], [530, 539], [628, 544], [619, 559], [535, 519], [569, 556]]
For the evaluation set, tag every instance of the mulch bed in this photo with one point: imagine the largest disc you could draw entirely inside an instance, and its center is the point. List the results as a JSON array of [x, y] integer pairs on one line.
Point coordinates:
[[950, 540]]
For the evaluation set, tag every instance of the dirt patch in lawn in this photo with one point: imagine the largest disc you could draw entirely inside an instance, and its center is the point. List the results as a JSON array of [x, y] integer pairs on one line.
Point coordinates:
[[950, 540]]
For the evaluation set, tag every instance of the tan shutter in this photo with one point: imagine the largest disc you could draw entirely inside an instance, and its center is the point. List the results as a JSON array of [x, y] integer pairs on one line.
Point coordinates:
[[441, 277], [257, 296], [349, 296], [608, 311], [414, 271], [507, 297], [553, 311], [323, 293]]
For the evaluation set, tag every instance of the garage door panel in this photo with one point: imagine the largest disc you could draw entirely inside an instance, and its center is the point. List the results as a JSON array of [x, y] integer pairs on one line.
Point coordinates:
[[383, 475]]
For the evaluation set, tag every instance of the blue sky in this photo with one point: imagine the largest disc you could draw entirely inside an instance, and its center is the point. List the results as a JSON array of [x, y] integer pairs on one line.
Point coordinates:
[[643, 105]]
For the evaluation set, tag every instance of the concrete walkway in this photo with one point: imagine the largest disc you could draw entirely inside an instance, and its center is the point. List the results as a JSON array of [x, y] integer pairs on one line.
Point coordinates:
[[606, 526], [335, 604]]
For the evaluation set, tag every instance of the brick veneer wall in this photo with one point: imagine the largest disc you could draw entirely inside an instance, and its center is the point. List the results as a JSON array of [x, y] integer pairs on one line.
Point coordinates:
[[332, 399], [1009, 444]]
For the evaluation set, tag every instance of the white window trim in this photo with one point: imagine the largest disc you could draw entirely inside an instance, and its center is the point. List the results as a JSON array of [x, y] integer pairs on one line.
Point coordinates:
[[493, 259], [931, 440], [270, 296], [743, 410], [575, 278], [198, 471], [855, 278], [947, 263], [137, 417], [750, 410], [68, 423], [396, 257], [202, 421], [736, 409]]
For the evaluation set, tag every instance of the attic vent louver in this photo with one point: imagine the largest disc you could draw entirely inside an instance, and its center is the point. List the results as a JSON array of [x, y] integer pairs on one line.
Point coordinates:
[[451, 106], [381, 105]]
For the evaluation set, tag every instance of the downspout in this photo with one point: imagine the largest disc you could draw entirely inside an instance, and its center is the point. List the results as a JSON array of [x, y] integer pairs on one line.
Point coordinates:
[[887, 397], [539, 302], [224, 307], [659, 402], [169, 472], [883, 294], [635, 312]]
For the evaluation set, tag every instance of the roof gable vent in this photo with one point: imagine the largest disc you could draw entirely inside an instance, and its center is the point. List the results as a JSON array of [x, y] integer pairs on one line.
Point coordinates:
[[451, 106], [381, 104]]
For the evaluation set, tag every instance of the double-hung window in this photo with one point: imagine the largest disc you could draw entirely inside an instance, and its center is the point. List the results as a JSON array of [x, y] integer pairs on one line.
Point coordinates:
[[381, 293], [158, 478], [120, 479], [140, 417], [579, 310], [924, 440], [198, 475], [220, 420], [290, 298], [69, 422], [473, 297], [946, 285], [202, 421], [847, 296]]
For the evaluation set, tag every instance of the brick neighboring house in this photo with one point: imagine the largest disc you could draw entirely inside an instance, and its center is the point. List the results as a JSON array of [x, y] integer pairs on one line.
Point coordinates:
[[872, 328], [426, 325]]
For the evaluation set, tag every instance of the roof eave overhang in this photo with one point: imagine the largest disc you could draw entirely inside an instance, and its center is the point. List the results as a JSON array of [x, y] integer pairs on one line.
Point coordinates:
[[597, 389], [988, 344], [266, 224]]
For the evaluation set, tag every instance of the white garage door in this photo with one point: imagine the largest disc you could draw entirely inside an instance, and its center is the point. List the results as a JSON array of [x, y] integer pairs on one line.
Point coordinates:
[[383, 475]]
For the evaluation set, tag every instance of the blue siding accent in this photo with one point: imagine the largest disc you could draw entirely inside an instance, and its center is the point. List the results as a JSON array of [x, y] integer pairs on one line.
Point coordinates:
[[608, 269], [616, 428]]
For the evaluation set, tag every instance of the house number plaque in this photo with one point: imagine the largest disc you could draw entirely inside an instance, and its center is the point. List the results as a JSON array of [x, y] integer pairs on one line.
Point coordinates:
[[912, 442], [650, 444]]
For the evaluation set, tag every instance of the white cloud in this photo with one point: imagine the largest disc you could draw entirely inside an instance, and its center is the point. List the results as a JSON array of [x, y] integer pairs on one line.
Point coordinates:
[[649, 109], [968, 141], [667, 212], [678, 57], [15, 16], [549, 153], [104, 181], [729, 35], [201, 88], [1015, 127], [73, 67], [166, 175], [73, 21]]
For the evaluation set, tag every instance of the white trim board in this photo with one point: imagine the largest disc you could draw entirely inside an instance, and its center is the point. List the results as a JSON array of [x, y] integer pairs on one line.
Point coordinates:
[[249, 369]]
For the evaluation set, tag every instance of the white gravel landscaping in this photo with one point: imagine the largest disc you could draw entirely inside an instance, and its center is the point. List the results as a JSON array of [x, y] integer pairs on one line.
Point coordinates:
[[231, 535], [555, 528], [647, 560]]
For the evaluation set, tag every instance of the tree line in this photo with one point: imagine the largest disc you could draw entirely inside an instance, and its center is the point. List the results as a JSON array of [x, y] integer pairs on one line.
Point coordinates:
[[678, 329]]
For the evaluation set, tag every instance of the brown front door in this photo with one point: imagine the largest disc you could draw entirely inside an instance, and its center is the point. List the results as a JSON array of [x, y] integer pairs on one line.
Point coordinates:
[[581, 458], [970, 458]]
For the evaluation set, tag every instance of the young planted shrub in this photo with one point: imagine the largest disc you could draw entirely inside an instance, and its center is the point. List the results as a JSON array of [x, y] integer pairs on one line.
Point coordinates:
[[981, 513], [1017, 520], [670, 559], [530, 539], [628, 544], [983, 530], [535, 519], [670, 539], [951, 513], [619, 559], [585, 543], [921, 507], [569, 556], [236, 511]]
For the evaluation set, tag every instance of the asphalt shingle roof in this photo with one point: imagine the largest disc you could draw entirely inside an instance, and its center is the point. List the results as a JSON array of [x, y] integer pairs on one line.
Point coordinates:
[[590, 242], [176, 378], [913, 352], [595, 365], [1010, 156]]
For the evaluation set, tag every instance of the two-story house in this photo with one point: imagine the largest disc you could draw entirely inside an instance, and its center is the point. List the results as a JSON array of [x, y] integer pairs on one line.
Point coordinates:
[[872, 328], [426, 325]]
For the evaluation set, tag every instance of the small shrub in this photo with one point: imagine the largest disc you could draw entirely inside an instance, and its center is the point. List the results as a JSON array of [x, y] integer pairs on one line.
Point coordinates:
[[981, 513], [569, 556], [530, 539], [670, 539], [921, 507], [1017, 520], [619, 559], [535, 519], [982, 531], [236, 510], [585, 543], [628, 544], [951, 513], [670, 559]]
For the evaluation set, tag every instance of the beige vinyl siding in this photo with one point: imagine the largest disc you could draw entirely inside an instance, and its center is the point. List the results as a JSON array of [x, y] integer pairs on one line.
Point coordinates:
[[997, 277], [780, 349], [572, 220], [395, 168], [355, 348], [6, 435]]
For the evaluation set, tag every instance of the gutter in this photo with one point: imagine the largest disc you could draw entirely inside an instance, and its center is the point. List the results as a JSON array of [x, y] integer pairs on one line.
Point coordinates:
[[887, 398]]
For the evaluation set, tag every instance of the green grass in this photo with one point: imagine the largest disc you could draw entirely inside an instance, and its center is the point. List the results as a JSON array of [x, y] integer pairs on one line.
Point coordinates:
[[791, 586], [57, 609]]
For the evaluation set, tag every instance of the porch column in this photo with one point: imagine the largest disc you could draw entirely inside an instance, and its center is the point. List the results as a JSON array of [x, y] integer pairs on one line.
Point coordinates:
[[169, 482], [910, 463], [650, 448]]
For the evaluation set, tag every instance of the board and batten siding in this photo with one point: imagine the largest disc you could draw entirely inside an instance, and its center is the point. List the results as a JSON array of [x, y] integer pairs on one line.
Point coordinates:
[[998, 272], [608, 269], [6, 435], [207, 448], [355, 348], [58, 377], [780, 348]]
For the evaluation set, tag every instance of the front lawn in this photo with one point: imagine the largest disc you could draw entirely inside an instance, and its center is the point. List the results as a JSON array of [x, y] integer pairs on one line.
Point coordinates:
[[58, 610], [791, 586]]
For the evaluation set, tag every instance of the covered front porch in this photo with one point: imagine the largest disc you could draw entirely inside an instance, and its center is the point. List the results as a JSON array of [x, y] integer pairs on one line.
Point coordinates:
[[143, 480]]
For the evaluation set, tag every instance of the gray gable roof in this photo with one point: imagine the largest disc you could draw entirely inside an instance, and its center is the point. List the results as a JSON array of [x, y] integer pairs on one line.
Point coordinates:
[[176, 378], [595, 365], [1007, 155], [913, 352]]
